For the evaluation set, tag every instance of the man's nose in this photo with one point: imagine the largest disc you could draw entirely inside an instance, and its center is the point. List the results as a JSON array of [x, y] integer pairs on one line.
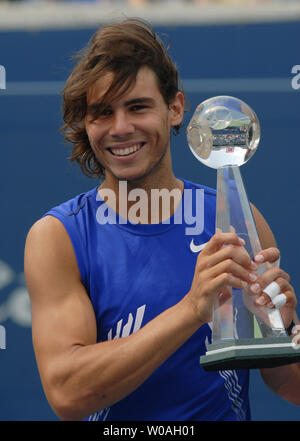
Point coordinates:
[[121, 124]]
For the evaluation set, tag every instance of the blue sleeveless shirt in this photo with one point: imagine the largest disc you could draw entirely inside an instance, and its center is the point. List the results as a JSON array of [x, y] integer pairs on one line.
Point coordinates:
[[132, 273]]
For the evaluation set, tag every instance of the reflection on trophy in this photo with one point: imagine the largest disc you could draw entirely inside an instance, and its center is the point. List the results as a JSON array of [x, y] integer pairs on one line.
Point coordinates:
[[224, 133]]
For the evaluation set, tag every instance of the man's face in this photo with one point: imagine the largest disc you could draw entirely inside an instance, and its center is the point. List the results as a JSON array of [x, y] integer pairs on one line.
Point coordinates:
[[131, 137]]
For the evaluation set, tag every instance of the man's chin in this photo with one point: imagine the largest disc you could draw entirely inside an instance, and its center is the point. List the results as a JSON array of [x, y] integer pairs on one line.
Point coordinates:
[[133, 180], [130, 177], [137, 177]]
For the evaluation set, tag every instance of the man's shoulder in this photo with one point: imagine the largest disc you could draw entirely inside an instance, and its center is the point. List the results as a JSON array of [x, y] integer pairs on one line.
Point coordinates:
[[73, 205], [54, 222]]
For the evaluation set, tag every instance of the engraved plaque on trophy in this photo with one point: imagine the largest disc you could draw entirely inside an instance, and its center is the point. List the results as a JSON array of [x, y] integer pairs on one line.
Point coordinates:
[[223, 134]]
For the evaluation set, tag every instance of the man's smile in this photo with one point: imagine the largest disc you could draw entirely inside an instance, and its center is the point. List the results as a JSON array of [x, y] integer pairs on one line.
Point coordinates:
[[125, 149]]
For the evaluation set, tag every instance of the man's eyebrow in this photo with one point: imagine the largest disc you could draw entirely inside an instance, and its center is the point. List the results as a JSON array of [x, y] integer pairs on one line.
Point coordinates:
[[94, 107], [144, 100]]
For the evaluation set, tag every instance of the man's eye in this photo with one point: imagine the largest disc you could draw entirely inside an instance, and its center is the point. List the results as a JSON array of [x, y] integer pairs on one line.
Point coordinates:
[[106, 112], [138, 107], [93, 116]]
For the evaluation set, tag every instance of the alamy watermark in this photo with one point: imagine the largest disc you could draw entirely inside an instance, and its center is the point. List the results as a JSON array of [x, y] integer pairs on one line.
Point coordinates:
[[296, 79], [190, 207], [2, 77], [2, 337]]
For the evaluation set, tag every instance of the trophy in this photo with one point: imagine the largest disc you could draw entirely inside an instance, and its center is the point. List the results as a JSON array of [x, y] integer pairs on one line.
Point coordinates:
[[224, 134]]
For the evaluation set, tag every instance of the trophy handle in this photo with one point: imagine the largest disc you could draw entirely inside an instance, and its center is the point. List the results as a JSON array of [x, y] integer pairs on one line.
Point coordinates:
[[239, 317]]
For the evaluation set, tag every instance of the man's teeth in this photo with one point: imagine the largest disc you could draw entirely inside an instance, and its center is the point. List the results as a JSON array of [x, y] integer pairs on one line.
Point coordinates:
[[126, 151]]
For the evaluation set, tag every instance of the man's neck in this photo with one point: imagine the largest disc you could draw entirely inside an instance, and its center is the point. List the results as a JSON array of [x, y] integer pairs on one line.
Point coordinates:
[[143, 200]]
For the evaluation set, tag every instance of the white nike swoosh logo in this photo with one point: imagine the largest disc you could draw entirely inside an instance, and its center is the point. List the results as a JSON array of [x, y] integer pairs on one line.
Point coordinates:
[[196, 248]]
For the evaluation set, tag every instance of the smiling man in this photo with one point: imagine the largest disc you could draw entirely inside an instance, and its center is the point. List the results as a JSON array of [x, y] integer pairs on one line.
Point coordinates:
[[121, 310], [131, 136]]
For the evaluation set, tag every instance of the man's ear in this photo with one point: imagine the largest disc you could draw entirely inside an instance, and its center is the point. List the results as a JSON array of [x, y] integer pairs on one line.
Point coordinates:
[[177, 109]]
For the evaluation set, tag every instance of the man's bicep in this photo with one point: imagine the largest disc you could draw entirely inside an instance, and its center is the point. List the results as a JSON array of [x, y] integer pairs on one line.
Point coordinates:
[[62, 314]]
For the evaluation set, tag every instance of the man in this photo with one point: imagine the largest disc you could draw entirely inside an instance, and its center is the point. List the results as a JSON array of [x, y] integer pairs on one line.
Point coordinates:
[[121, 310]]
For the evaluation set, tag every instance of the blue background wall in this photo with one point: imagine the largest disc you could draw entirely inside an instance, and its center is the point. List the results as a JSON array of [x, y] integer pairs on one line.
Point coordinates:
[[35, 174]]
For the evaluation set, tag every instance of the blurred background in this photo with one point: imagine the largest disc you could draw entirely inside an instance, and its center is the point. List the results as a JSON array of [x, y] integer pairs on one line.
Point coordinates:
[[248, 49]]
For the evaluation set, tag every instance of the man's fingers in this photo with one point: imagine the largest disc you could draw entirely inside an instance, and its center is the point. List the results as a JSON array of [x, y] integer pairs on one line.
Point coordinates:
[[221, 239], [231, 267], [227, 280], [266, 278], [279, 300], [237, 253], [277, 293], [272, 290], [270, 255]]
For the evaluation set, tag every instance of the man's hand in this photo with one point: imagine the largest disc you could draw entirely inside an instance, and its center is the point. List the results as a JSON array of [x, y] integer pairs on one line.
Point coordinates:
[[223, 263], [282, 279]]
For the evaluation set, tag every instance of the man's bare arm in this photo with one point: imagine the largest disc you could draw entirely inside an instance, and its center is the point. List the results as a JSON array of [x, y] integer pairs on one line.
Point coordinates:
[[81, 376]]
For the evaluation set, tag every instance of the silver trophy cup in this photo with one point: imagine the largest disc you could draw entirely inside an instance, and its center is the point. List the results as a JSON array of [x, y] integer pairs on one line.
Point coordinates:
[[224, 133]]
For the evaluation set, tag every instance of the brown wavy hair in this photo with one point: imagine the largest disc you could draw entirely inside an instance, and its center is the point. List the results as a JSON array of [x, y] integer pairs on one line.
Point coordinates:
[[121, 48]]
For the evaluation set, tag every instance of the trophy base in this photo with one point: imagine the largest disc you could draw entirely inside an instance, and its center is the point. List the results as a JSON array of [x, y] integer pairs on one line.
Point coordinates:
[[253, 353]]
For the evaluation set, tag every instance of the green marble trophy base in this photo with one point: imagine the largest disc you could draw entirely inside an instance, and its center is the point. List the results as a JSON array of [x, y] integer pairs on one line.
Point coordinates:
[[250, 354]]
